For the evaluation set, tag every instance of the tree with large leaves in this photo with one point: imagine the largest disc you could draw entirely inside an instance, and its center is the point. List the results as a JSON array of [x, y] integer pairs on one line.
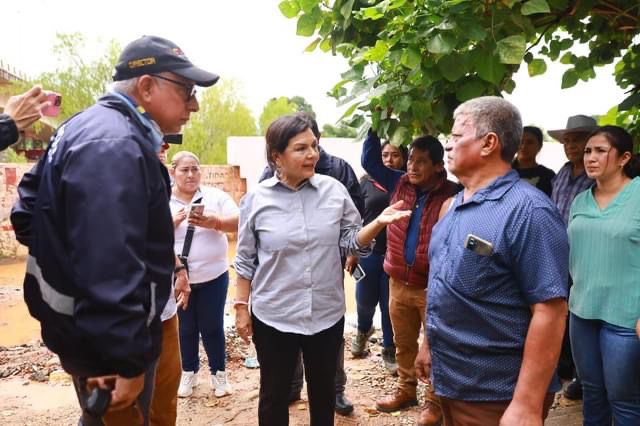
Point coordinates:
[[412, 62]]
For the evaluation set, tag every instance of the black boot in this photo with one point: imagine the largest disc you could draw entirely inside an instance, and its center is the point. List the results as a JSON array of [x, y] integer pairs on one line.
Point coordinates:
[[343, 405], [573, 391]]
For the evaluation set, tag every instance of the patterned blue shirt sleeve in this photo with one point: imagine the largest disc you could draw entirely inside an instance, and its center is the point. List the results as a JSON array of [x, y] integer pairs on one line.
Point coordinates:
[[540, 250]]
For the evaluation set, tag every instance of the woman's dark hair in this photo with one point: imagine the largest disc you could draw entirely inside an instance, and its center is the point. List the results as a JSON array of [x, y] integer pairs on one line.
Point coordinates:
[[622, 141], [431, 145], [282, 130], [535, 132], [404, 152]]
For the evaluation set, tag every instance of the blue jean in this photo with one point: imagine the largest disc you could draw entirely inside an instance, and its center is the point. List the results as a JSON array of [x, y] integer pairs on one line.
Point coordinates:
[[372, 290], [204, 317], [607, 358]]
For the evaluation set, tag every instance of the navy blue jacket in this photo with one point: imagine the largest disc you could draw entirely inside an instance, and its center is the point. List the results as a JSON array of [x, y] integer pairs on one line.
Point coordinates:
[[8, 131], [95, 215], [337, 168]]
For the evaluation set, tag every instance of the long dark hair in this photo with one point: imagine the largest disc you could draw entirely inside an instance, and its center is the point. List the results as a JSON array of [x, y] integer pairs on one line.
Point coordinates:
[[622, 141], [404, 152]]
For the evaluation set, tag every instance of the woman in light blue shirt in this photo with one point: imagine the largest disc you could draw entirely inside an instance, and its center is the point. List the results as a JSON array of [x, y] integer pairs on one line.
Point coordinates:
[[604, 236], [293, 228]]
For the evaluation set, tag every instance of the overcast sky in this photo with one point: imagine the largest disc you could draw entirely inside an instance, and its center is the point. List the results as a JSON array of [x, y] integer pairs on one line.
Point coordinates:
[[251, 42]]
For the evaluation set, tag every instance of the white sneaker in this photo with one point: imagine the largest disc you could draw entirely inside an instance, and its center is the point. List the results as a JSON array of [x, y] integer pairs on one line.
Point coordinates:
[[188, 380], [220, 384]]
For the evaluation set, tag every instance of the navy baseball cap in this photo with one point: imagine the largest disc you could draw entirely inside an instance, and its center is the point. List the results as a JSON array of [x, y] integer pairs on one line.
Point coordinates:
[[151, 54]]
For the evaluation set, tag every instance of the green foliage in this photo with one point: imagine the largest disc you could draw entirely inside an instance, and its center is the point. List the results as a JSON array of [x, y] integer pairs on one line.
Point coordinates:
[[275, 108], [222, 114], [302, 105], [10, 156], [339, 131], [80, 82], [412, 62]]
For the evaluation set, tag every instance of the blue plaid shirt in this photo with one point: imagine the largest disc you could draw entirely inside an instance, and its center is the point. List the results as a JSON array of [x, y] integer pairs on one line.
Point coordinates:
[[566, 187], [479, 305]]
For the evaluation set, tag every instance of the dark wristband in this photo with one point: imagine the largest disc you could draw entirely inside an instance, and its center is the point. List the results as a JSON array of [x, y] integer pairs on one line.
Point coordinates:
[[179, 268]]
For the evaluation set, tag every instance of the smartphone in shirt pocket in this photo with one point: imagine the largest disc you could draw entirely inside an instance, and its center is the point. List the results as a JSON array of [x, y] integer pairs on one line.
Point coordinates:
[[478, 245]]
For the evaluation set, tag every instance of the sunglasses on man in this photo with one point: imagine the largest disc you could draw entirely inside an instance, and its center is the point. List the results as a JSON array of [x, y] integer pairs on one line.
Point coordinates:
[[189, 89]]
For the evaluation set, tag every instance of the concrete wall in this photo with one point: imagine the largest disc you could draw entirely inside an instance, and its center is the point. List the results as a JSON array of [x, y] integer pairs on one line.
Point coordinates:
[[226, 178]]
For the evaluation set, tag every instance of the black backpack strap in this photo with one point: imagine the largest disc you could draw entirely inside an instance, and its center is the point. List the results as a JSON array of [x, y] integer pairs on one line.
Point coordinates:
[[188, 239]]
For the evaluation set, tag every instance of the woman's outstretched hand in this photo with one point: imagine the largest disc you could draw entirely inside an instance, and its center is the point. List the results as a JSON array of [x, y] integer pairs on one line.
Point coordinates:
[[393, 213]]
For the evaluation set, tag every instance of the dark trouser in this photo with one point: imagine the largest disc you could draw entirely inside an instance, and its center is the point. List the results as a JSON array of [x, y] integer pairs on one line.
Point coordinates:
[[341, 375], [204, 317], [608, 360], [463, 413], [140, 407], [277, 353], [566, 366], [371, 291]]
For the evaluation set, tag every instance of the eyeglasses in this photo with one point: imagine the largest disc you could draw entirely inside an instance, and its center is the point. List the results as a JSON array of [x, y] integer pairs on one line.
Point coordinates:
[[189, 89]]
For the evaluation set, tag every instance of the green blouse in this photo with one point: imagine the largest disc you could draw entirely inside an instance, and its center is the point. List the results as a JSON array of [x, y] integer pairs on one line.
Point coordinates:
[[604, 258]]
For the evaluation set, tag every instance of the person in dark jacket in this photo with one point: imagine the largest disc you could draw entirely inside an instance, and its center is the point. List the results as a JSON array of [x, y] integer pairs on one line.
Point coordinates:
[[525, 163], [425, 188], [95, 216], [20, 112], [373, 289], [339, 169]]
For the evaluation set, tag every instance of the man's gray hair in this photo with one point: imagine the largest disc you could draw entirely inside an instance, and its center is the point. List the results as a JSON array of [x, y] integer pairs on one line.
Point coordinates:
[[124, 86], [494, 114]]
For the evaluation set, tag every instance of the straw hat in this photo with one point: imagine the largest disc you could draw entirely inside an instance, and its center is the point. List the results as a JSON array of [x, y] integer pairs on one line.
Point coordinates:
[[575, 124]]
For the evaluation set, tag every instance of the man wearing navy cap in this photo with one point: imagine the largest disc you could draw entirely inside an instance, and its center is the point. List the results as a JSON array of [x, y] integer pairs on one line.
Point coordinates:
[[95, 215]]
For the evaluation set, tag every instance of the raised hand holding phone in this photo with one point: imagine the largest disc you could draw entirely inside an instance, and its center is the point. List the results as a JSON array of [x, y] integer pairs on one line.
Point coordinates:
[[55, 103]]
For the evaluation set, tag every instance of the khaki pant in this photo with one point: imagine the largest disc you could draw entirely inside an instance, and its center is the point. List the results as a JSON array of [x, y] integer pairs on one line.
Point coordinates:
[[164, 403], [462, 413], [406, 308]]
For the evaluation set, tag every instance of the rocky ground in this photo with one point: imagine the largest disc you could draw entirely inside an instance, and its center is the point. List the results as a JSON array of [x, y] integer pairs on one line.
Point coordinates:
[[35, 391]]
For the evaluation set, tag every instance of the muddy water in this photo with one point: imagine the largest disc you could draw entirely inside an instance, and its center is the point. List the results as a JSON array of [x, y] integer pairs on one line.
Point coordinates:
[[18, 327]]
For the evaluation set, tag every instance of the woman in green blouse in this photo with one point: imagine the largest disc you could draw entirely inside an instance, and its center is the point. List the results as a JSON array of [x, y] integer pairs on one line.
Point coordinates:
[[604, 236]]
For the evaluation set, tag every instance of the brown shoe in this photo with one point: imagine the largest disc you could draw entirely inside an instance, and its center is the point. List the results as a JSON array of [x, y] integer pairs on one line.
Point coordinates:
[[431, 415], [398, 401]]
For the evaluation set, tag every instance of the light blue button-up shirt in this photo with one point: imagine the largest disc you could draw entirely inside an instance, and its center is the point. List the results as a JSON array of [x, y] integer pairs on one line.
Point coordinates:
[[289, 244]]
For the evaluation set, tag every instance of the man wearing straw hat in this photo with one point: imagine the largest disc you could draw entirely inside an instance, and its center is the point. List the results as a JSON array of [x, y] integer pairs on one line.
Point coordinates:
[[569, 182]]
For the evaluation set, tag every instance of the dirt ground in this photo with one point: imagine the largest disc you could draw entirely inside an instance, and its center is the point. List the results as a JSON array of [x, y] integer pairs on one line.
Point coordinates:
[[34, 390]]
